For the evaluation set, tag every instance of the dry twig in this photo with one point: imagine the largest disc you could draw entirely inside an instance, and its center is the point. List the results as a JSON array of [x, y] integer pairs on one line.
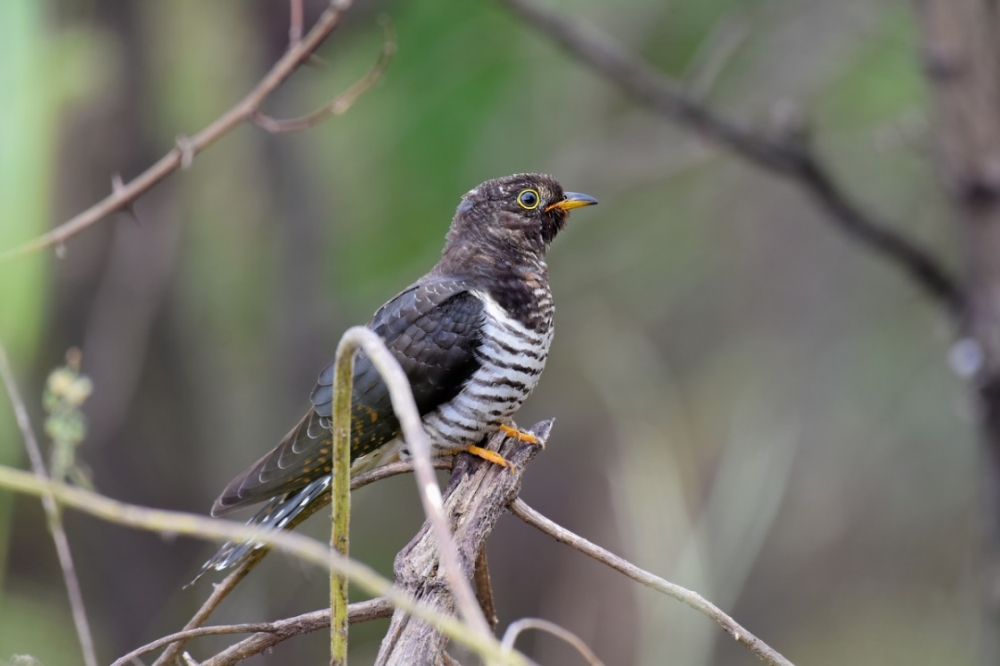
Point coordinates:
[[766, 653], [266, 634], [220, 592], [295, 22], [518, 626], [340, 104], [788, 156], [51, 513], [184, 152], [484, 589]]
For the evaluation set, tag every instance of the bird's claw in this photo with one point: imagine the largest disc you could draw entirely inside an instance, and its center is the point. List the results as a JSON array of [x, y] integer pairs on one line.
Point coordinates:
[[521, 436], [490, 456]]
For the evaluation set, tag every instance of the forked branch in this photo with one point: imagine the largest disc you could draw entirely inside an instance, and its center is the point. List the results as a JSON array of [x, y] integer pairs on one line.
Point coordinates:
[[246, 110]]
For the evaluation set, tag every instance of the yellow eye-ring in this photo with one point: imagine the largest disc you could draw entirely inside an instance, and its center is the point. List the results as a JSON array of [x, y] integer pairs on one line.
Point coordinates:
[[528, 199]]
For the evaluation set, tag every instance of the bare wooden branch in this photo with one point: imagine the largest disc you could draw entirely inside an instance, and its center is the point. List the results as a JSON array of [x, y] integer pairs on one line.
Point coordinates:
[[787, 156], [475, 500], [359, 612], [183, 154], [295, 22], [266, 634], [52, 514], [766, 653]]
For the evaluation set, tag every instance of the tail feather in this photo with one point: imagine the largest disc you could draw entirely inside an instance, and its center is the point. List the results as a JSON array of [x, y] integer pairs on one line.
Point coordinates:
[[280, 511], [275, 514]]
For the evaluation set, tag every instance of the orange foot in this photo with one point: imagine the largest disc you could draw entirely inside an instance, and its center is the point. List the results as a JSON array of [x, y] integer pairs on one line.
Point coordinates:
[[520, 435], [485, 454]]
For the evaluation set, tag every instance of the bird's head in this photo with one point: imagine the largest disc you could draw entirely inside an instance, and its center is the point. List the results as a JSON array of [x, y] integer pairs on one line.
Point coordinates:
[[518, 215]]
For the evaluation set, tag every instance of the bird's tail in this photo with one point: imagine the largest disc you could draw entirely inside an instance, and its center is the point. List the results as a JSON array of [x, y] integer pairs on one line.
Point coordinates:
[[276, 514]]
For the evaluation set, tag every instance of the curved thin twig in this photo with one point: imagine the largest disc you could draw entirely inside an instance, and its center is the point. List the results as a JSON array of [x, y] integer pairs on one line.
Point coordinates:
[[340, 104], [52, 514], [688, 597], [786, 156], [220, 592], [182, 154], [562, 633]]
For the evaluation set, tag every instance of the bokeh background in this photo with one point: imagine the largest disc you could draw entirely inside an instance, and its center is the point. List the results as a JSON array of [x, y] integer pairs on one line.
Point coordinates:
[[746, 402]]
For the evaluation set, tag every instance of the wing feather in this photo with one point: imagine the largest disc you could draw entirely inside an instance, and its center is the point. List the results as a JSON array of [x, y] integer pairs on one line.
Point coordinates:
[[434, 330]]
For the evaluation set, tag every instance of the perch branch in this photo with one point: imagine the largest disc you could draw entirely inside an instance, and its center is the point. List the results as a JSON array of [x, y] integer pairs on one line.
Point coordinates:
[[766, 653], [305, 548], [51, 513], [476, 497], [186, 148], [788, 156], [266, 634]]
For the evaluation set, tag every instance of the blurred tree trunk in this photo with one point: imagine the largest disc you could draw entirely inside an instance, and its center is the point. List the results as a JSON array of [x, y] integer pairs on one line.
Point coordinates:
[[960, 57]]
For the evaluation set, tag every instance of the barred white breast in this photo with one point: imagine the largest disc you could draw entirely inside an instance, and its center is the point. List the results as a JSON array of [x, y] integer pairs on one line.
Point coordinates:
[[512, 358]]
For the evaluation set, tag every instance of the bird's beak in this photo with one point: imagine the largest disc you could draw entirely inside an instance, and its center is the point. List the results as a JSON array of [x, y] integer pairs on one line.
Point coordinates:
[[572, 200]]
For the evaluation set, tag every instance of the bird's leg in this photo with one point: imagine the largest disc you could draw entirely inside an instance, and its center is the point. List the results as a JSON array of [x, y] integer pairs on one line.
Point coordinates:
[[521, 436], [493, 456]]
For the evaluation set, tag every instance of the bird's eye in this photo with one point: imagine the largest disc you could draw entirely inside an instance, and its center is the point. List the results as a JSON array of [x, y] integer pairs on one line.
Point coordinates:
[[528, 199]]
